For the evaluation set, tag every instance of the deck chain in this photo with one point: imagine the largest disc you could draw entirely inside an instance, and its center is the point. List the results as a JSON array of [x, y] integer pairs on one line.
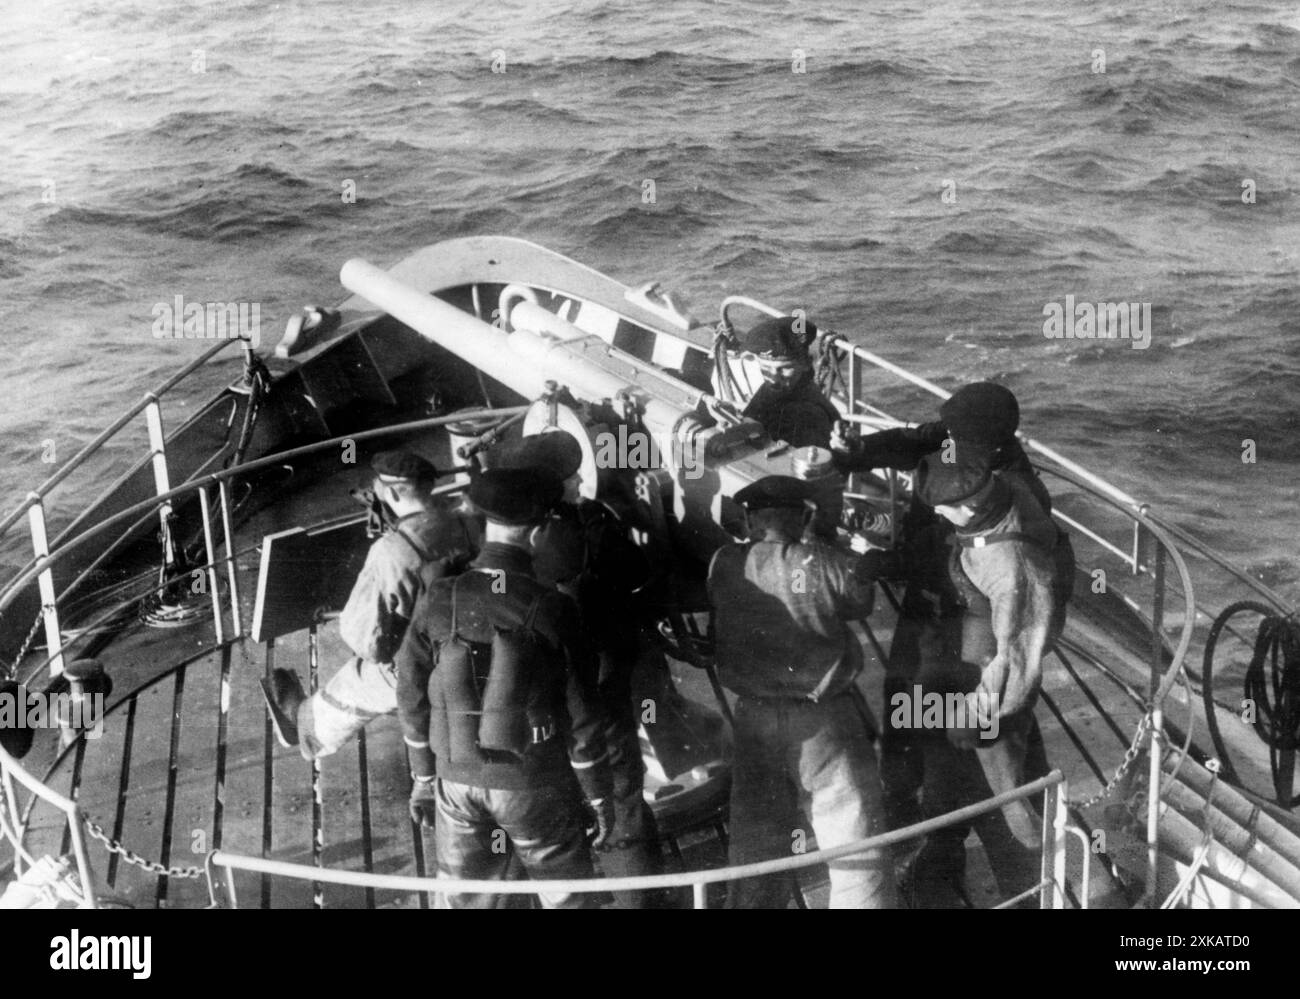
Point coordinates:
[[1130, 757], [134, 859], [12, 671]]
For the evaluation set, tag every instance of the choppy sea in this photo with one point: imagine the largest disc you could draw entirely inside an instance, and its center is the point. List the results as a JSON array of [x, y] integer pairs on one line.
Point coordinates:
[[926, 177]]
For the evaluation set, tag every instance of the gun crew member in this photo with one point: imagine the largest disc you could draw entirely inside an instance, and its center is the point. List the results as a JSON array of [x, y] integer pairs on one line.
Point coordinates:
[[980, 421], [788, 404], [1003, 570], [496, 681], [428, 539], [803, 730], [585, 552]]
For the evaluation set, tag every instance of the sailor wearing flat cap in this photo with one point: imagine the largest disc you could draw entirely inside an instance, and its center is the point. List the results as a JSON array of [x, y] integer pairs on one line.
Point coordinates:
[[1004, 575], [781, 608], [788, 404], [429, 538], [976, 430], [980, 419], [468, 784], [584, 550]]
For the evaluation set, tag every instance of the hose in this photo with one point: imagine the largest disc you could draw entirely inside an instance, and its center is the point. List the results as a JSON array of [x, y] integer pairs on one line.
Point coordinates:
[[1274, 692]]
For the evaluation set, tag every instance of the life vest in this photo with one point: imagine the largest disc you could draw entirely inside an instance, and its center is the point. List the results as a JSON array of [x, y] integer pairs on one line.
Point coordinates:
[[497, 697]]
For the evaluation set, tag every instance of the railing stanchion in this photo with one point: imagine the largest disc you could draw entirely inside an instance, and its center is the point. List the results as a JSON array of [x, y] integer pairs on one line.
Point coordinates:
[[205, 511], [1060, 819], [230, 888], [236, 613], [1086, 876], [45, 581], [1158, 621], [162, 481], [12, 804], [1153, 802], [853, 381], [83, 860], [1047, 858], [699, 895], [317, 801]]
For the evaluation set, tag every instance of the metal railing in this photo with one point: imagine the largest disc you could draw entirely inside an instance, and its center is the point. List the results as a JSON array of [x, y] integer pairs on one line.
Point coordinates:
[[1164, 537], [34, 504], [1050, 888], [40, 569]]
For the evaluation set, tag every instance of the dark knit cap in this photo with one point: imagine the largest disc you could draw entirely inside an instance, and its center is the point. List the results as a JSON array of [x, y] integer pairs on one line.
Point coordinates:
[[939, 483], [556, 452], [778, 339], [776, 491], [982, 413], [515, 497], [403, 465]]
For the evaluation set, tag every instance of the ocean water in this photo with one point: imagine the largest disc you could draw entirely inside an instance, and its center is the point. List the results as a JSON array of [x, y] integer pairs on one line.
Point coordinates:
[[925, 177]]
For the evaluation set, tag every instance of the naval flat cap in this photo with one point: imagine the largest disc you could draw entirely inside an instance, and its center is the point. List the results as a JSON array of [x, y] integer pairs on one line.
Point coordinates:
[[775, 491], [514, 496], [403, 465], [940, 483], [982, 413], [556, 452], [779, 338]]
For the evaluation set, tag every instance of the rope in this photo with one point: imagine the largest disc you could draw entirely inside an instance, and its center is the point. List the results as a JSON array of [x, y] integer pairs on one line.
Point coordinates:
[[728, 387], [827, 361], [1274, 692]]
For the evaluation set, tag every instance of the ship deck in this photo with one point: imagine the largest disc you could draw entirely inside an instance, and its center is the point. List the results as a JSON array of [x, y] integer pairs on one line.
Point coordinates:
[[188, 763]]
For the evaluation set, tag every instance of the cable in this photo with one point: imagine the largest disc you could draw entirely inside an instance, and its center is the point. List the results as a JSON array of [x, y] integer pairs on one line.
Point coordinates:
[[1275, 696]]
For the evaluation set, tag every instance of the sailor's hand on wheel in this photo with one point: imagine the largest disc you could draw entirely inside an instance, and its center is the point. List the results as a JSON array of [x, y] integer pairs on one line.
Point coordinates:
[[603, 811], [423, 802]]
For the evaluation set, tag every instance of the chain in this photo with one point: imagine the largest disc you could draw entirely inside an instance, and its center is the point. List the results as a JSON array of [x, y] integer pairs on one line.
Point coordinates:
[[27, 642], [133, 858], [1130, 756]]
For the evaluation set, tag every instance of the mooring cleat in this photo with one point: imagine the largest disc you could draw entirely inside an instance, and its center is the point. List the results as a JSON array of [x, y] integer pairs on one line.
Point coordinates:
[[283, 694]]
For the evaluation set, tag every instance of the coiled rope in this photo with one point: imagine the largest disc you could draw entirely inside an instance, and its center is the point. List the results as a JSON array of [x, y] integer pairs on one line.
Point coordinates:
[[1271, 685]]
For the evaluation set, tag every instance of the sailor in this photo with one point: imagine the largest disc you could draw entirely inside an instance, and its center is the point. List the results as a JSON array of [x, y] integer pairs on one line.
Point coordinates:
[[1003, 570], [788, 404], [584, 551], [496, 681], [980, 419], [803, 731], [428, 539], [976, 428]]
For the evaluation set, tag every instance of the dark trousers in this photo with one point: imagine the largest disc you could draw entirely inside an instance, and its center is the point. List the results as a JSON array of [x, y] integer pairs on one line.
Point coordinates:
[[633, 849], [1011, 836], [477, 828]]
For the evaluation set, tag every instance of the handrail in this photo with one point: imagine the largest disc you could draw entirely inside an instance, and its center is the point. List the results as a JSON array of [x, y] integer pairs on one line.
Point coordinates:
[[193, 485], [1162, 533], [10, 769], [100, 439], [400, 882]]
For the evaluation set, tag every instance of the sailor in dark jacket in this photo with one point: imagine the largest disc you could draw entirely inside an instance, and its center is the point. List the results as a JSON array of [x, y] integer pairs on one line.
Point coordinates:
[[976, 429], [788, 404], [981, 420], [803, 733], [1003, 568], [506, 759], [428, 538], [583, 550]]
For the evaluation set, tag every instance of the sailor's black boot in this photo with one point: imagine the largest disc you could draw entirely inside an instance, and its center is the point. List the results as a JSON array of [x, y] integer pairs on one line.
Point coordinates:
[[283, 693]]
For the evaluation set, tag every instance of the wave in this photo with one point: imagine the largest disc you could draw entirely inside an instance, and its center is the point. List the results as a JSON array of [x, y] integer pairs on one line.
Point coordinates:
[[249, 201]]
